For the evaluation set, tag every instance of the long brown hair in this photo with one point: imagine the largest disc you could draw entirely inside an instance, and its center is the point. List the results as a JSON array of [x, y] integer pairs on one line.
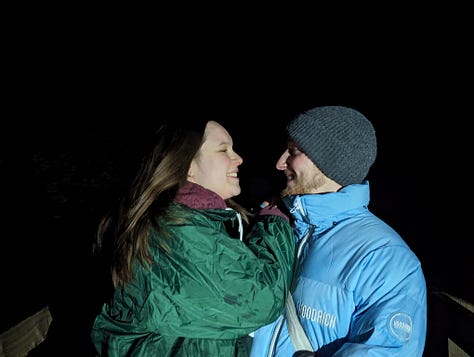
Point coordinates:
[[123, 234]]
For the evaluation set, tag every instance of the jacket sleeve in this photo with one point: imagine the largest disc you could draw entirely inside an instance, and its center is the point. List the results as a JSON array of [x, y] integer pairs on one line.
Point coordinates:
[[390, 317], [212, 286]]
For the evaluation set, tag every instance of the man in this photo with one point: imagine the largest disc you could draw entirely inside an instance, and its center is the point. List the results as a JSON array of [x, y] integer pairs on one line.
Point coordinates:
[[358, 288]]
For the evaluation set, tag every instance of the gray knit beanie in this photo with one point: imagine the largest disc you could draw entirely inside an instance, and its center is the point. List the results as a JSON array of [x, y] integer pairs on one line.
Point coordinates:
[[340, 141]]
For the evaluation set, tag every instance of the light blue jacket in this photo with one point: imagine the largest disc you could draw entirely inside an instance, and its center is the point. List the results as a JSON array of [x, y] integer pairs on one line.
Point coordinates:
[[359, 290]]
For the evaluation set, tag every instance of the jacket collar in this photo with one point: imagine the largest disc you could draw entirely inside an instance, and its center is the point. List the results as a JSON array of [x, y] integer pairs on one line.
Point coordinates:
[[197, 197], [321, 209]]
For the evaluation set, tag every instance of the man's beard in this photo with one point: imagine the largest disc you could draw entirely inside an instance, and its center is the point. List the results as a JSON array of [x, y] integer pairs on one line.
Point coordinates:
[[306, 182]]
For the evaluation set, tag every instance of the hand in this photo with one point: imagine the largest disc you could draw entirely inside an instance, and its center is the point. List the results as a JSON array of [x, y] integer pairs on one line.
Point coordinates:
[[271, 210]]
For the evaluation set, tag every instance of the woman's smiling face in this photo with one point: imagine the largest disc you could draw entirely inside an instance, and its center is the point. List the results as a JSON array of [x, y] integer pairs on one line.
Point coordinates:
[[215, 166]]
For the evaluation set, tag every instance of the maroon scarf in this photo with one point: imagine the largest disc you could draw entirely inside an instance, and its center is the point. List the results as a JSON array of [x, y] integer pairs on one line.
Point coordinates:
[[197, 197]]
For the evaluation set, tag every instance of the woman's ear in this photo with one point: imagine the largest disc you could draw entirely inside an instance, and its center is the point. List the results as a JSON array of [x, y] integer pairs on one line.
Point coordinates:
[[190, 171], [190, 174]]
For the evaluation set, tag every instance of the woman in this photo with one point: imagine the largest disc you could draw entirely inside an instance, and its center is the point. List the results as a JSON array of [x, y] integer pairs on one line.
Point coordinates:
[[186, 280]]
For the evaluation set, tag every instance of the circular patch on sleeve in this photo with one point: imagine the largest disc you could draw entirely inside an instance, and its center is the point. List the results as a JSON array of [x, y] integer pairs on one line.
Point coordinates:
[[400, 325]]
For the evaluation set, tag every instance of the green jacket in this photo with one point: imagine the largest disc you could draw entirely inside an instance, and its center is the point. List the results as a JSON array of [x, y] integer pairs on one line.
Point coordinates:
[[206, 295]]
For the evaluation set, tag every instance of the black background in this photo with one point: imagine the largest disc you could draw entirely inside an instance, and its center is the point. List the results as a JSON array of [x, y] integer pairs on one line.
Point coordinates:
[[78, 104]]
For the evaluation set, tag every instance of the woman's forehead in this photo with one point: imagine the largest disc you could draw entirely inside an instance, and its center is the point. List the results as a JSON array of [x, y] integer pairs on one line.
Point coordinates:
[[216, 134]]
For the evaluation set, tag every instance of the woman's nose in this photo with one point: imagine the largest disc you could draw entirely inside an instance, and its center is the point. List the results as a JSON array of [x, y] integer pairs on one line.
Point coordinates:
[[239, 159]]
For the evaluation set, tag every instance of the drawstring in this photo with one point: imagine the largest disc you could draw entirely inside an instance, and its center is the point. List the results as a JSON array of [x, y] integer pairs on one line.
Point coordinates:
[[241, 226]]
